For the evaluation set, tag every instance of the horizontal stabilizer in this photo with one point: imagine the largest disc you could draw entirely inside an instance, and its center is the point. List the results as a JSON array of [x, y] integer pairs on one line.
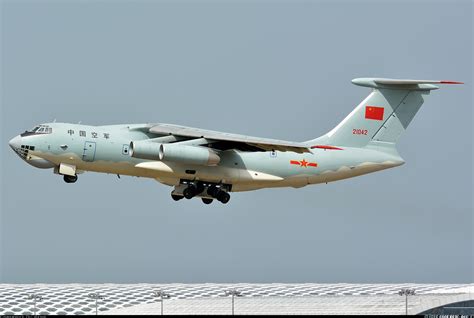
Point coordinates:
[[400, 83]]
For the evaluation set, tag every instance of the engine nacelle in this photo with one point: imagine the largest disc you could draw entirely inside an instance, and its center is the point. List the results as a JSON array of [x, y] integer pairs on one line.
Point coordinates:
[[188, 154], [174, 152], [145, 150]]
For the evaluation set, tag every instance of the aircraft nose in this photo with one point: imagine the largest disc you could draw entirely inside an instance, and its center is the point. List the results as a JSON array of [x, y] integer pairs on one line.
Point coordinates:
[[15, 142]]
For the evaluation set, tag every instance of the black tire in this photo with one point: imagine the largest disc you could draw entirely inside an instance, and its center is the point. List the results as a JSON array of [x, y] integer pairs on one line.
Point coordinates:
[[69, 179], [223, 197], [176, 197], [199, 188], [213, 191], [189, 192], [207, 200]]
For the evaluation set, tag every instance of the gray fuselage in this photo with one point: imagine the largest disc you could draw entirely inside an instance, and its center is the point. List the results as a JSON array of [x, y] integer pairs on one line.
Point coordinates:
[[106, 149]]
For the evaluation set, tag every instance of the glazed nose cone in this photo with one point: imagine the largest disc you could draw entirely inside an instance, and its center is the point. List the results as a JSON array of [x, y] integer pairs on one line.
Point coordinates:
[[15, 142]]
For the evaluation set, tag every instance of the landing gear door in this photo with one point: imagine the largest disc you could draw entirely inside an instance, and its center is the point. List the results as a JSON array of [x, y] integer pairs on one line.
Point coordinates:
[[89, 151]]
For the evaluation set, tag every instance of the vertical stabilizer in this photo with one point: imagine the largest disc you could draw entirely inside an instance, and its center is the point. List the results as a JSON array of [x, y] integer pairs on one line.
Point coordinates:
[[383, 115]]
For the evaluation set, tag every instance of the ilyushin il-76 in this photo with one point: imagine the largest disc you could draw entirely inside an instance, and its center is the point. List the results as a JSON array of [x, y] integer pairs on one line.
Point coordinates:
[[210, 164]]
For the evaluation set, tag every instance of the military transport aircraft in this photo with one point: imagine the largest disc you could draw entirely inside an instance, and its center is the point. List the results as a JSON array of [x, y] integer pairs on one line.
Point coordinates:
[[210, 164]]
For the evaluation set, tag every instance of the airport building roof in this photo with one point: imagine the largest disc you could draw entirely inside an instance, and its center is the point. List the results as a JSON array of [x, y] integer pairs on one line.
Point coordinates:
[[308, 298]]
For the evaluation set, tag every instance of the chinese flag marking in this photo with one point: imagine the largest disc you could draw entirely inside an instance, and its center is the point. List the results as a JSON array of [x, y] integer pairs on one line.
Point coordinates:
[[374, 112]]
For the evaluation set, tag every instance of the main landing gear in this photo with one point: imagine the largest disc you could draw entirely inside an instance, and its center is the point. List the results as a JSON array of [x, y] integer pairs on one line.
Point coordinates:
[[70, 179], [219, 194], [207, 192], [207, 200], [176, 197], [192, 190]]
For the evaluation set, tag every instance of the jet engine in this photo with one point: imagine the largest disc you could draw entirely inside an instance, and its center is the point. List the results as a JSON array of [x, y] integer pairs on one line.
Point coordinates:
[[188, 154], [144, 150], [174, 152]]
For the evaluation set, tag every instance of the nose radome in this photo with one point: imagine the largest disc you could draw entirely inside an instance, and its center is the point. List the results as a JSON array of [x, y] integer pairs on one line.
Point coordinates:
[[15, 142]]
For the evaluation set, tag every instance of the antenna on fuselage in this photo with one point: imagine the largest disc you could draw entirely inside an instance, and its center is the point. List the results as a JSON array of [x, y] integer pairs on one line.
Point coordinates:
[[80, 121], [54, 120]]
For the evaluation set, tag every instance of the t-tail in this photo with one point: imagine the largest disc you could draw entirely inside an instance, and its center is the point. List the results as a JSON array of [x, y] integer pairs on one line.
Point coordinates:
[[382, 116]]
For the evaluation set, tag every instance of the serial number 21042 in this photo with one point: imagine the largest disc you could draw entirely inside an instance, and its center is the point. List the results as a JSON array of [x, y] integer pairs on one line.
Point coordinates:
[[359, 131]]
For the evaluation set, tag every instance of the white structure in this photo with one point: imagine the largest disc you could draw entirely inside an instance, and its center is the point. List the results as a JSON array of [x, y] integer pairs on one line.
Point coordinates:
[[210, 298]]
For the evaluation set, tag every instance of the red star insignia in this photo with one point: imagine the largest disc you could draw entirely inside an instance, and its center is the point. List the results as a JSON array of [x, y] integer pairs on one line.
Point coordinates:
[[304, 163]]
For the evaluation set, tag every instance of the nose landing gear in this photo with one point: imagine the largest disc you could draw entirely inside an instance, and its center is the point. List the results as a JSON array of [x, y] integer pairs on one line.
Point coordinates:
[[69, 179]]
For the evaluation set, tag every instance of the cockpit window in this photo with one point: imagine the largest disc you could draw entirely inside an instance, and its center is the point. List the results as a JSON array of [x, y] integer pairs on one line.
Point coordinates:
[[42, 129]]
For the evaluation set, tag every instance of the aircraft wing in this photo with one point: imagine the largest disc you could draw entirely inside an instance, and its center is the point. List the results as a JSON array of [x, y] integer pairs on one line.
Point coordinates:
[[231, 139]]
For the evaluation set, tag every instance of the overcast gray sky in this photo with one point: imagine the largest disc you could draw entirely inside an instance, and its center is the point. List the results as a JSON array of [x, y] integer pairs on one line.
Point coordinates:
[[278, 69]]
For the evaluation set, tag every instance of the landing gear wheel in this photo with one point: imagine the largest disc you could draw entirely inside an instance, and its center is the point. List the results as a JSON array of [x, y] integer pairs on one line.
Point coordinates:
[[223, 197], [199, 188], [176, 197], [69, 179], [189, 192], [213, 191], [207, 200]]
